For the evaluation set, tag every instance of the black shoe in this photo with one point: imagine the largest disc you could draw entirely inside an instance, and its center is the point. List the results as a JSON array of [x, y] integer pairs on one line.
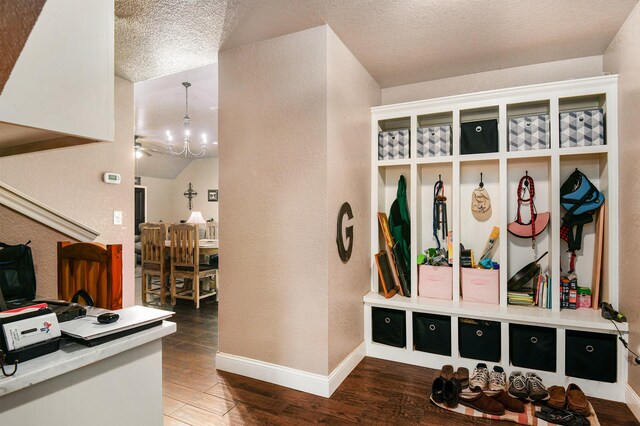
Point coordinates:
[[451, 392], [562, 417], [436, 390]]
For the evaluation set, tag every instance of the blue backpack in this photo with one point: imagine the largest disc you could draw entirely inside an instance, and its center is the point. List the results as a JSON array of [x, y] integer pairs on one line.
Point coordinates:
[[580, 198]]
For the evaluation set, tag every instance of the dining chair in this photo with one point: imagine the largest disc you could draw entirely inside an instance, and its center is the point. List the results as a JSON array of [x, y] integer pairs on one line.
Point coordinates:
[[155, 262], [211, 230], [94, 268], [185, 256]]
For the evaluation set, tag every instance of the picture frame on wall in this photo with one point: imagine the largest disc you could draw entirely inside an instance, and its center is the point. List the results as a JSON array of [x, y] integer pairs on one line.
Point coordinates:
[[212, 195]]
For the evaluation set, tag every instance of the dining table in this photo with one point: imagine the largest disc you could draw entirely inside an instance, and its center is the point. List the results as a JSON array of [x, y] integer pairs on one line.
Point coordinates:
[[206, 246]]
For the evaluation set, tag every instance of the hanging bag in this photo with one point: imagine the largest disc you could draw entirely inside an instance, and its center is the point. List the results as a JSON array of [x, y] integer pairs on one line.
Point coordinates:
[[580, 198], [17, 273]]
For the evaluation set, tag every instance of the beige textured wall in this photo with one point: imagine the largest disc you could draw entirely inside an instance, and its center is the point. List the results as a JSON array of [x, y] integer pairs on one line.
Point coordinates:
[[273, 180], [510, 77], [165, 199], [351, 94], [203, 174], [16, 228], [623, 57], [160, 199], [70, 181]]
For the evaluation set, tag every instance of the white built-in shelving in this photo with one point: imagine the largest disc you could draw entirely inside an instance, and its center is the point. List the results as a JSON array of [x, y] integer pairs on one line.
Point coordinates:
[[501, 173]]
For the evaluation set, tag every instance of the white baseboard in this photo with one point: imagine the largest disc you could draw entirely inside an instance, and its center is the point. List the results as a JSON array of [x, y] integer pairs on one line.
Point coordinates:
[[316, 384], [633, 401]]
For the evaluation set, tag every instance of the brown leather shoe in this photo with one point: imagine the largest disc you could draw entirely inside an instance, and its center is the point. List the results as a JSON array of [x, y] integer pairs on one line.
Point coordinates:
[[557, 397], [508, 402], [463, 376], [577, 400], [482, 402], [446, 372]]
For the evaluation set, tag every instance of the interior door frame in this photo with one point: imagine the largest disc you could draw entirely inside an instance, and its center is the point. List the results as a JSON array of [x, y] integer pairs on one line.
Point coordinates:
[[144, 188]]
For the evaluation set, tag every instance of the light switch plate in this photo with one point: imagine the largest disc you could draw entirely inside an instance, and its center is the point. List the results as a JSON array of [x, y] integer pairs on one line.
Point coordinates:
[[117, 217]]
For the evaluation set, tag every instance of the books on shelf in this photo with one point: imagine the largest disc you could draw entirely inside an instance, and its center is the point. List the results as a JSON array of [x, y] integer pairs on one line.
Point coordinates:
[[540, 294]]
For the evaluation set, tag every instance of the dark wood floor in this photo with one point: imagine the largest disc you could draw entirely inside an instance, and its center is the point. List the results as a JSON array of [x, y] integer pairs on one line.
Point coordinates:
[[376, 392]]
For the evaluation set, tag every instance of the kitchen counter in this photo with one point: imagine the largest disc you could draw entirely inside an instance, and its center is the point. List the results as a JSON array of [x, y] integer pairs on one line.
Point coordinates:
[[118, 382]]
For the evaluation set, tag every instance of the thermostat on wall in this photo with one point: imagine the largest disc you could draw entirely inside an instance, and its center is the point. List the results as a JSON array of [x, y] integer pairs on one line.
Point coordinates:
[[111, 178]]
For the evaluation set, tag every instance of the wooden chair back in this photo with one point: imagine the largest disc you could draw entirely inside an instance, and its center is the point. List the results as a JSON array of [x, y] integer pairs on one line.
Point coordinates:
[[184, 245], [211, 230], [152, 240], [94, 268]]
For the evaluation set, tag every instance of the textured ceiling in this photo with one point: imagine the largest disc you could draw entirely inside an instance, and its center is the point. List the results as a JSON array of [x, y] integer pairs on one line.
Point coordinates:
[[154, 38], [398, 41]]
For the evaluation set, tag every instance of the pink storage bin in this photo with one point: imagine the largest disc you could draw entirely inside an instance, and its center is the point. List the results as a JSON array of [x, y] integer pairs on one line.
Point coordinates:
[[435, 282], [480, 285]]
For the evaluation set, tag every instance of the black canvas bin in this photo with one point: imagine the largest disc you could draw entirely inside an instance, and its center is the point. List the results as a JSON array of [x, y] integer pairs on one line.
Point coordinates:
[[432, 333], [532, 347], [591, 356], [479, 339], [479, 137], [388, 326]]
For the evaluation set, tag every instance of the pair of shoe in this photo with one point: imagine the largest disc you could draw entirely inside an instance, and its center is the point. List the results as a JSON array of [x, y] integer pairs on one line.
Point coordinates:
[[528, 387], [573, 399], [495, 403], [562, 417], [483, 379], [446, 388]]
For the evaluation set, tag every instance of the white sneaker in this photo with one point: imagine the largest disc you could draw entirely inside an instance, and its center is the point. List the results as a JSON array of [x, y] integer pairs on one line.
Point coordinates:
[[497, 379], [479, 380]]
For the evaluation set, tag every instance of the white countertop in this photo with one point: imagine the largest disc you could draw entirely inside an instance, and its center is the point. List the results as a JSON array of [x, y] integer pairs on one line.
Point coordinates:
[[73, 355]]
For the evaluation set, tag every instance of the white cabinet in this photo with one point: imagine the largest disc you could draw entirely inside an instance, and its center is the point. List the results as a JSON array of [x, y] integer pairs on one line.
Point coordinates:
[[61, 88], [501, 172]]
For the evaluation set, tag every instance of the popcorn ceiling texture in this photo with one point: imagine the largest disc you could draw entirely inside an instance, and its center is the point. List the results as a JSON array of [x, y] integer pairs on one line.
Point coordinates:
[[397, 41], [161, 37], [17, 18]]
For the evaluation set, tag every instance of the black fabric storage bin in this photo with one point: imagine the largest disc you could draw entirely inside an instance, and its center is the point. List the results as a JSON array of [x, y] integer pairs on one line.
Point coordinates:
[[432, 333], [479, 137], [389, 327], [532, 347], [591, 356], [478, 339]]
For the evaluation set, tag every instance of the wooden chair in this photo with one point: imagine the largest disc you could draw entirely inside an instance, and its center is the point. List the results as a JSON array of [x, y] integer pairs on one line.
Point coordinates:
[[155, 263], [94, 268], [185, 256], [211, 230]]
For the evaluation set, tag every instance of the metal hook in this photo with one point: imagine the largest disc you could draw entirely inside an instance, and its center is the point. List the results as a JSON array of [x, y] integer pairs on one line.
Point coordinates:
[[439, 177], [481, 185], [526, 182]]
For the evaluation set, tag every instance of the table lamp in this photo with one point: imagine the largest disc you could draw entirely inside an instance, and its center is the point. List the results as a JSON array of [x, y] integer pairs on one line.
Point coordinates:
[[196, 217]]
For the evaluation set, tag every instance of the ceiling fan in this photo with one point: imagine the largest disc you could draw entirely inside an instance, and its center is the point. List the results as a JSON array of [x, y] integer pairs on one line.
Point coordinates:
[[146, 146]]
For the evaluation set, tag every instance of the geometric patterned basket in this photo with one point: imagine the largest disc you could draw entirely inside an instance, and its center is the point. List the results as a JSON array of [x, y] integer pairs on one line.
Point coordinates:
[[393, 144], [582, 128], [528, 133], [434, 141]]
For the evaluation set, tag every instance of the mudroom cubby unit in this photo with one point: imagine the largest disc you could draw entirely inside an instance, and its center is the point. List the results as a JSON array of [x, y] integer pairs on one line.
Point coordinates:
[[534, 152]]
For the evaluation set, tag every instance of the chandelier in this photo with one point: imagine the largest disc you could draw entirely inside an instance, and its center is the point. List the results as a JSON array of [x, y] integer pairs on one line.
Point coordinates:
[[186, 151]]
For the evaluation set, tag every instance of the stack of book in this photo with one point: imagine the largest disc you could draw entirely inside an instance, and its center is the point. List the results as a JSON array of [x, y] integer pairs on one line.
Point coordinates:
[[519, 298], [539, 295]]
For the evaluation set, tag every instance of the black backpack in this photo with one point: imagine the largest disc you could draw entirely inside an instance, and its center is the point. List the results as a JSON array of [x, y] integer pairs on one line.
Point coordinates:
[[17, 274]]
